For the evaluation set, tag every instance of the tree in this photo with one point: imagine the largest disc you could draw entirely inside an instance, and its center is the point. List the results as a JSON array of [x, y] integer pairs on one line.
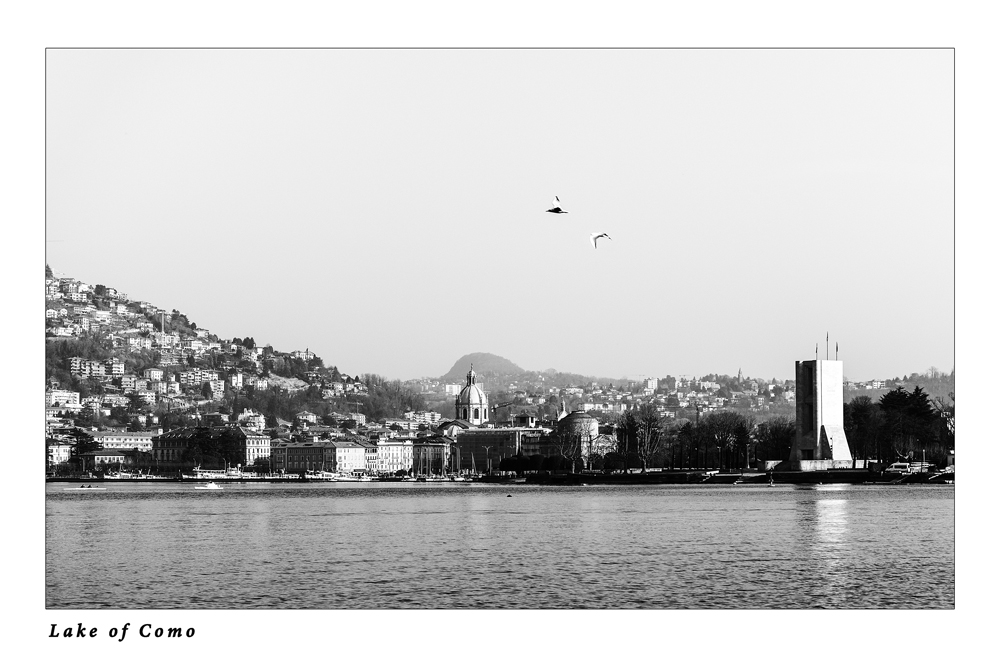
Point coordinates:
[[911, 424], [946, 411], [731, 432], [626, 435], [206, 390], [863, 422], [84, 442], [613, 461], [567, 442], [774, 438], [649, 433]]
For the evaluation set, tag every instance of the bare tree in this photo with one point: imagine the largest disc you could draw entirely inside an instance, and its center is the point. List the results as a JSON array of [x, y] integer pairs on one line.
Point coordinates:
[[731, 431], [649, 433], [626, 434], [567, 442]]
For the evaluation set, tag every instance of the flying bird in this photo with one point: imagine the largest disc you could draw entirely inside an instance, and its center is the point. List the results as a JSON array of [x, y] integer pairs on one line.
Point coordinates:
[[595, 236], [556, 207]]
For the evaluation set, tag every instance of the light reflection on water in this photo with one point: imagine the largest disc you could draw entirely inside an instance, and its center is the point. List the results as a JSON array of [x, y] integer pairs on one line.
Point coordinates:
[[373, 546]]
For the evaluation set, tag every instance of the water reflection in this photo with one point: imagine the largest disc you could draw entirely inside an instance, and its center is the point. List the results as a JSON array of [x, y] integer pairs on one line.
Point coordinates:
[[371, 547]]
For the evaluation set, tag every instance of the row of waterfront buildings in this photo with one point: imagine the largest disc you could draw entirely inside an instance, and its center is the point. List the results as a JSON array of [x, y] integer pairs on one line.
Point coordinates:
[[394, 444]]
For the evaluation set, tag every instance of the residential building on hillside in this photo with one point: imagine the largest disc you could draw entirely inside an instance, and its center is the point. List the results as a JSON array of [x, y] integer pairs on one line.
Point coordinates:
[[125, 440], [604, 407], [403, 424], [423, 417], [253, 420], [62, 398], [255, 382]]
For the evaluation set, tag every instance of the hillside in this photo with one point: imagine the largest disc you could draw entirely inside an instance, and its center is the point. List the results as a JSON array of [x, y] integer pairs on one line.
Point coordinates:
[[486, 365], [112, 361]]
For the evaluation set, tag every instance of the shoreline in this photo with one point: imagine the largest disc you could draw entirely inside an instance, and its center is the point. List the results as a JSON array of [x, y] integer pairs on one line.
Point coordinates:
[[694, 477]]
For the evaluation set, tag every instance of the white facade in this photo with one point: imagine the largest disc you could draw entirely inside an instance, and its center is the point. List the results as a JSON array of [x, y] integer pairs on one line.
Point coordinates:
[[142, 440], [819, 412], [423, 417], [62, 398], [58, 453], [258, 446], [349, 457], [393, 455]]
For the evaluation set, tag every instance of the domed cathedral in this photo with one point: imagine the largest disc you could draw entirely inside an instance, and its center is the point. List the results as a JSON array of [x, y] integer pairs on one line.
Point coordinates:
[[472, 404]]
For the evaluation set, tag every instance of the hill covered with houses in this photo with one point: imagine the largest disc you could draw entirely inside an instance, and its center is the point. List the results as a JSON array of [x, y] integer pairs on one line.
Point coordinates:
[[116, 362]]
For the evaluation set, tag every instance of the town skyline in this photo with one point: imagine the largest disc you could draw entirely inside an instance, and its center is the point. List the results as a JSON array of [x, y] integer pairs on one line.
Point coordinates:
[[469, 358], [756, 200]]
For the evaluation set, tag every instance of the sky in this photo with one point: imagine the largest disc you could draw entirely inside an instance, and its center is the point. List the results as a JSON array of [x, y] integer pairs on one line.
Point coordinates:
[[386, 208]]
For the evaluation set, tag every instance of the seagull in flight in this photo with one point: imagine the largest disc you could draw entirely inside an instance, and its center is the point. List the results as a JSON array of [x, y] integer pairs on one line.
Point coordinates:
[[556, 207], [595, 236]]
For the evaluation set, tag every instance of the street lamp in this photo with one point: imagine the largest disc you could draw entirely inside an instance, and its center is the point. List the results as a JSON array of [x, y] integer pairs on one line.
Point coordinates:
[[489, 464]]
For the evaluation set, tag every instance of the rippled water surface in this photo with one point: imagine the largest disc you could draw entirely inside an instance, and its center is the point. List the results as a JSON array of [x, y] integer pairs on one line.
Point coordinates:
[[445, 546]]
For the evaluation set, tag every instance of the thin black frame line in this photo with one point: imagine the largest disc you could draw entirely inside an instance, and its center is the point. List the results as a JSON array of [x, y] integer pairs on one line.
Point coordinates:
[[500, 48]]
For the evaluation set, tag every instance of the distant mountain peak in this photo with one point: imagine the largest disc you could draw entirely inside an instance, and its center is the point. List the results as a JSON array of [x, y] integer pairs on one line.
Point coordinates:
[[483, 363]]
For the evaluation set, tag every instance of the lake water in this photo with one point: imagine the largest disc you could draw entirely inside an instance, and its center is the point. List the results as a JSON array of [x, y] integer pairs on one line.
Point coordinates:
[[452, 546]]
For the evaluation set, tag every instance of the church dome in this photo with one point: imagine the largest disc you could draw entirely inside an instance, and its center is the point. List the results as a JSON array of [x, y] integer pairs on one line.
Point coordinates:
[[578, 422], [471, 402], [472, 394]]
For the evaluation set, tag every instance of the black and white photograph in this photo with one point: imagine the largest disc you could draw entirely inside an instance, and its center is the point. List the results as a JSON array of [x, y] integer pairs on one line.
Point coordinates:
[[568, 328]]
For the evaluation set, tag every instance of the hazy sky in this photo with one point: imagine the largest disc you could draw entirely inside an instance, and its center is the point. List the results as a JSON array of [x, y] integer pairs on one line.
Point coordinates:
[[385, 208]]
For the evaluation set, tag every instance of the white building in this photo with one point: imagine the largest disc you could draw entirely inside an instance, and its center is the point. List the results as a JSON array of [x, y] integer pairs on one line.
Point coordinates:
[[62, 398], [58, 452], [423, 417], [472, 403], [394, 454], [253, 420], [258, 447], [349, 456], [127, 440]]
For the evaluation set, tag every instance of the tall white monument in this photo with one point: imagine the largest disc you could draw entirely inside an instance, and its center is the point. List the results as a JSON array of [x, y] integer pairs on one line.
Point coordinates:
[[820, 440]]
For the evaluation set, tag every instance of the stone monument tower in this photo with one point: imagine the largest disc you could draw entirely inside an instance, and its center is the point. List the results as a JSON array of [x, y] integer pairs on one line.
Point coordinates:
[[819, 415]]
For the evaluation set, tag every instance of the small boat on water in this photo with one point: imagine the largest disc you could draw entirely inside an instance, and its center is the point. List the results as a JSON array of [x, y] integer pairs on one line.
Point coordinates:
[[86, 487], [210, 486]]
